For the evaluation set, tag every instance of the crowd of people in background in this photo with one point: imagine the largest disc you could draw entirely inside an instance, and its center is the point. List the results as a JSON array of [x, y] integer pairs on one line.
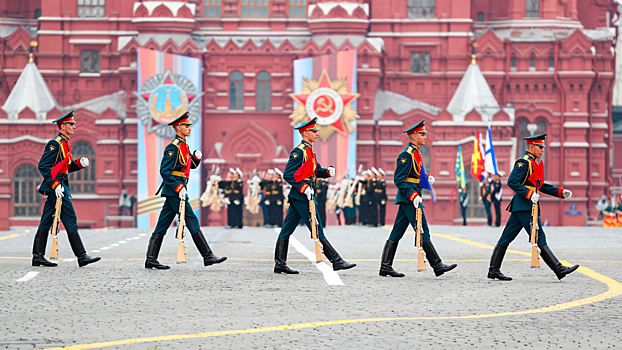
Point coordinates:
[[610, 210]]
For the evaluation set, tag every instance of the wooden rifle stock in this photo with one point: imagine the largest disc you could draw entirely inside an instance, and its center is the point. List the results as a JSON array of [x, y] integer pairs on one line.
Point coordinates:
[[55, 226], [420, 261], [535, 262], [318, 247], [181, 249]]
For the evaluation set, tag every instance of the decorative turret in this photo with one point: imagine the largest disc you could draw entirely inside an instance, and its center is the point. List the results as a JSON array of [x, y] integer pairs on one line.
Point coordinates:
[[30, 91], [350, 17], [171, 17]]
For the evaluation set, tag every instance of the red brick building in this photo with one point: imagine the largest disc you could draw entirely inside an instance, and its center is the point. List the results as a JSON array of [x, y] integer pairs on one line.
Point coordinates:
[[548, 68]]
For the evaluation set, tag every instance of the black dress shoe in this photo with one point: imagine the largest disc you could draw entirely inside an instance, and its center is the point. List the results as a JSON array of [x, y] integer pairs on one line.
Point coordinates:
[[213, 259], [154, 264], [386, 272], [496, 273], [442, 268], [84, 260], [284, 269], [42, 261]]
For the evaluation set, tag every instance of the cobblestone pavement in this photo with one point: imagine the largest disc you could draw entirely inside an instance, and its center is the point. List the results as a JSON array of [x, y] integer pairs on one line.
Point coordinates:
[[118, 299]]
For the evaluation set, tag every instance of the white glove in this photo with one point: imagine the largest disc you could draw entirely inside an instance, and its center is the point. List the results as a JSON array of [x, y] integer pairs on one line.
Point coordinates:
[[226, 201], [198, 154], [84, 161], [279, 202], [236, 202], [566, 194], [212, 178], [218, 178], [60, 191], [182, 193], [418, 200], [535, 197], [309, 192], [331, 171], [383, 202], [431, 179], [266, 202]]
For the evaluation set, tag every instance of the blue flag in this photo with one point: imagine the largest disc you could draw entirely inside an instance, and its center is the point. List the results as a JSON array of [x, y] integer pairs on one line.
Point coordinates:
[[423, 179]]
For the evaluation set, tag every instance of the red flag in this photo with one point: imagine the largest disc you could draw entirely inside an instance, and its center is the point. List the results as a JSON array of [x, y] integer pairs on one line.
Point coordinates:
[[537, 174], [308, 167], [477, 161], [60, 166]]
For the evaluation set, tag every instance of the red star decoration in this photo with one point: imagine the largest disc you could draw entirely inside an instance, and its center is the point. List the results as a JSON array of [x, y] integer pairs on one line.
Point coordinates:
[[325, 83]]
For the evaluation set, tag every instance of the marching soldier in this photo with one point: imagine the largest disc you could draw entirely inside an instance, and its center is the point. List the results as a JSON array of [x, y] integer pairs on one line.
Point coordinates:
[[523, 180], [365, 203], [234, 198], [277, 197], [55, 165], [175, 171], [373, 200], [381, 193], [406, 178], [297, 175], [321, 188]]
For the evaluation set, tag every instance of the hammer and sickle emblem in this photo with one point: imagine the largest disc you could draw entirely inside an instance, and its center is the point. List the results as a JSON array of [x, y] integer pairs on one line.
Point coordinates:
[[324, 105]]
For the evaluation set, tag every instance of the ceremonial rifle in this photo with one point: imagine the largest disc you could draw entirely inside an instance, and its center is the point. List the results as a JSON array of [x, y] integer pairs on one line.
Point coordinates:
[[535, 262], [55, 227], [181, 249], [420, 262], [314, 227]]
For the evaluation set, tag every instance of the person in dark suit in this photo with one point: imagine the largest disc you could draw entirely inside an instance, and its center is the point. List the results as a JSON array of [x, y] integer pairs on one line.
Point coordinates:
[[496, 193]]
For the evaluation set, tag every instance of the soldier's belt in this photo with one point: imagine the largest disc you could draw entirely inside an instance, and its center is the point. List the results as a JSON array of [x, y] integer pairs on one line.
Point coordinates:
[[178, 173], [411, 179]]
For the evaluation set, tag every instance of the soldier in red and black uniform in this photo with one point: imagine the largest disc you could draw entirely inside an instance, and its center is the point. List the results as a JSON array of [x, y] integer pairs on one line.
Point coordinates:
[[523, 179], [175, 170], [55, 165]]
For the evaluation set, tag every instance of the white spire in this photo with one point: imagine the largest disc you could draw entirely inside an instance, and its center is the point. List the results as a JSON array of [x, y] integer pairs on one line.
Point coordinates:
[[30, 91], [473, 93]]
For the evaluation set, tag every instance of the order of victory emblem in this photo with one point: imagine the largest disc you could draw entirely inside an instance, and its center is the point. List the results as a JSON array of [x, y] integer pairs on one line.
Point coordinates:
[[165, 97], [329, 102]]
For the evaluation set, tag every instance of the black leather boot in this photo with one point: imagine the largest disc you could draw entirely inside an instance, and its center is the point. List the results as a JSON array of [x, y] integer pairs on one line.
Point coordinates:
[[79, 251], [208, 256], [155, 243], [435, 260], [494, 271], [551, 261], [280, 257], [333, 257], [388, 254], [38, 250]]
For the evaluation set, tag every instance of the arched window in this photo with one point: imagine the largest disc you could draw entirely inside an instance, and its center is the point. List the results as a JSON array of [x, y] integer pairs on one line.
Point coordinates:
[[264, 91], [522, 132], [420, 8], [83, 181], [236, 90], [532, 8], [26, 200]]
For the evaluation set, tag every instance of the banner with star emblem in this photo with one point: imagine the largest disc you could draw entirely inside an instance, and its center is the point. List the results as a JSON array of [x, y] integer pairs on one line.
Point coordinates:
[[168, 86], [325, 88]]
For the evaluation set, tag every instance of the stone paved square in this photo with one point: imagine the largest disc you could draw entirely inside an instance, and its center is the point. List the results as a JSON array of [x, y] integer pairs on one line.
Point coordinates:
[[244, 305]]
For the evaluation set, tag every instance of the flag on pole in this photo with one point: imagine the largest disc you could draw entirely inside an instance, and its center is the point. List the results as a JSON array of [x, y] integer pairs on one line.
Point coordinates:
[[424, 183], [490, 163], [460, 175], [477, 160]]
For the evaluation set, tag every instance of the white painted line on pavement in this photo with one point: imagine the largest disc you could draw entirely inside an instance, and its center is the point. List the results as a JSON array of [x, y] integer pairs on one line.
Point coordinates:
[[136, 237], [114, 245], [331, 277], [122, 242], [70, 259], [95, 251], [30, 275], [142, 234], [104, 248]]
